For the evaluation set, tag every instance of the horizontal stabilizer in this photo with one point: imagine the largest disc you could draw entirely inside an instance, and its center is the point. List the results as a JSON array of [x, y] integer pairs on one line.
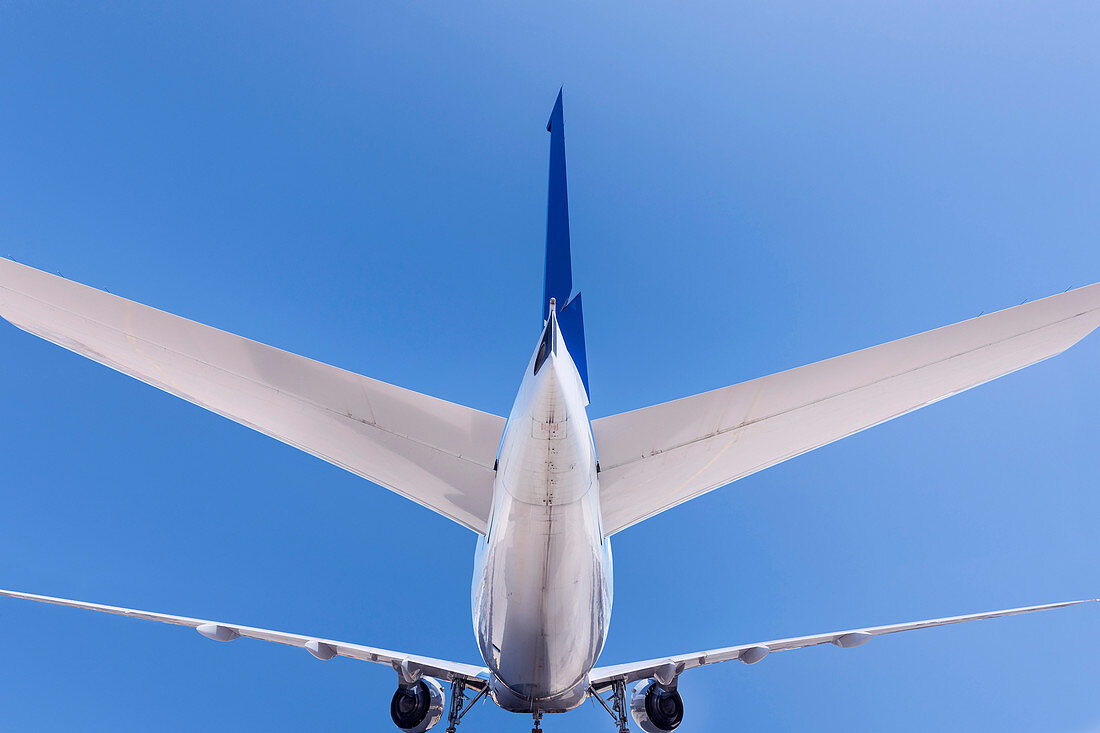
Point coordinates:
[[657, 457], [435, 453]]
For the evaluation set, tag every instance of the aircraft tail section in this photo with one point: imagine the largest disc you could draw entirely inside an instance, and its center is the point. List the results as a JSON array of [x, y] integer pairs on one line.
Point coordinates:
[[558, 280], [558, 283], [660, 456], [571, 325]]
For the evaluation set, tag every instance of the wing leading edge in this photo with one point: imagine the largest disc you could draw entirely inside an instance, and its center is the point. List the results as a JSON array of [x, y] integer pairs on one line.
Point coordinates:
[[657, 457], [433, 452], [669, 667]]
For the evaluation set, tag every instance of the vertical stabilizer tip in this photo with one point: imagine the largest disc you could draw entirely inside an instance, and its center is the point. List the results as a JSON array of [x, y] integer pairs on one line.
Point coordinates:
[[556, 113]]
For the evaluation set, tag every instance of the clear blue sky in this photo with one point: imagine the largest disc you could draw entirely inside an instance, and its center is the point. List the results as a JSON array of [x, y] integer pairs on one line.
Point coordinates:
[[752, 189]]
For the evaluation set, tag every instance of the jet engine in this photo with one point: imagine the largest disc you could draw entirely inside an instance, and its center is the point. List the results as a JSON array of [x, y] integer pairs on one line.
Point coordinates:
[[656, 708], [418, 706]]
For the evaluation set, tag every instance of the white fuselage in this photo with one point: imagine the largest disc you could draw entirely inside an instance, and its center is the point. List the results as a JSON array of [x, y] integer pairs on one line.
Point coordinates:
[[542, 584]]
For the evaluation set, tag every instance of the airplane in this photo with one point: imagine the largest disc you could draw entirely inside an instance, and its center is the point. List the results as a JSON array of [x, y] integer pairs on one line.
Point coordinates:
[[544, 490]]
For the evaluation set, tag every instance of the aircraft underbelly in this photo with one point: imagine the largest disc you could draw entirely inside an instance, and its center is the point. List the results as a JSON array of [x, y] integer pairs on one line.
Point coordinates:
[[542, 586], [545, 615]]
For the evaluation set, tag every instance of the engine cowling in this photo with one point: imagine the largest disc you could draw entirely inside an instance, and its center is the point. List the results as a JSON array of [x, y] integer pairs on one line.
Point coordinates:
[[656, 708], [418, 706]]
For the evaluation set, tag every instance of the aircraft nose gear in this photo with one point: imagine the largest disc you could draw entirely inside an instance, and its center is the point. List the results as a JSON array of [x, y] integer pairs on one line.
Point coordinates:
[[617, 709], [460, 704], [536, 721]]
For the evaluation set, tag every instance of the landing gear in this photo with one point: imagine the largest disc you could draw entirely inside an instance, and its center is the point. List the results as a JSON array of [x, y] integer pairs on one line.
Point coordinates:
[[460, 704], [536, 721], [618, 707]]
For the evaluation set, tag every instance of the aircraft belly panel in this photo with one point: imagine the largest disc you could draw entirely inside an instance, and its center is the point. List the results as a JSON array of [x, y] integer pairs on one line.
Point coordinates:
[[542, 585]]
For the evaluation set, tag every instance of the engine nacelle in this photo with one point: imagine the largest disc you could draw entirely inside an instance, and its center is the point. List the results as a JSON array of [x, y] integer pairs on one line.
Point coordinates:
[[656, 708], [418, 706]]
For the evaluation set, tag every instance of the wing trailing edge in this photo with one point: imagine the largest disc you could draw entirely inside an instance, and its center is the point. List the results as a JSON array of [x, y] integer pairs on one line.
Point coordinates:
[[671, 667], [319, 647]]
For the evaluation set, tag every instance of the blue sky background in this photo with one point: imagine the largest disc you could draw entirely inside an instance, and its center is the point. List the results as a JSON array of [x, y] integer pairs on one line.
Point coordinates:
[[752, 189]]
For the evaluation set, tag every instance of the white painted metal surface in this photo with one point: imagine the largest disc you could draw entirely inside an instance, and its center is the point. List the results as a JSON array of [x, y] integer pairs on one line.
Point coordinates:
[[660, 456], [542, 583], [436, 453], [756, 651], [433, 667]]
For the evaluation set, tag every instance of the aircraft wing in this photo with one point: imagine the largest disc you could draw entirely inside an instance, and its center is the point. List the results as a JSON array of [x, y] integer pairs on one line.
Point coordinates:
[[667, 668], [657, 457], [433, 452], [405, 664]]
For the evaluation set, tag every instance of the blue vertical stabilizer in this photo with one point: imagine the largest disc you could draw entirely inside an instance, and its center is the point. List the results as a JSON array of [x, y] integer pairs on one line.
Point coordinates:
[[571, 324], [558, 282]]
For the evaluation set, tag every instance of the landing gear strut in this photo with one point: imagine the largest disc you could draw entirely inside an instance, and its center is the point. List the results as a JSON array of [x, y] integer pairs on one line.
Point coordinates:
[[536, 721], [460, 704], [617, 709]]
